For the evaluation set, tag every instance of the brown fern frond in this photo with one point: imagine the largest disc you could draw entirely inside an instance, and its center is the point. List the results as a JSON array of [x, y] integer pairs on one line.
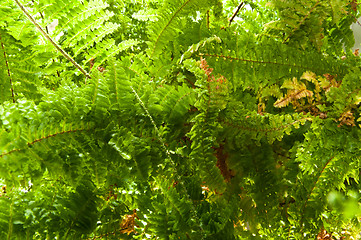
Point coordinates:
[[292, 96]]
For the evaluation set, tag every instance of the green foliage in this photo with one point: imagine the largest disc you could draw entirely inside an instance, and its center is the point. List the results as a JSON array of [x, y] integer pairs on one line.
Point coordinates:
[[190, 125]]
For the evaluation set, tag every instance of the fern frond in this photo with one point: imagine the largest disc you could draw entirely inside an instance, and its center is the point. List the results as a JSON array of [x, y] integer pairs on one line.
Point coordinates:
[[94, 36], [169, 20], [94, 17], [161, 222], [92, 24], [249, 66], [173, 103], [136, 152], [296, 91], [6, 220], [203, 153], [245, 125], [72, 15], [19, 76], [107, 49], [118, 75], [82, 209], [302, 22], [331, 169], [176, 213]]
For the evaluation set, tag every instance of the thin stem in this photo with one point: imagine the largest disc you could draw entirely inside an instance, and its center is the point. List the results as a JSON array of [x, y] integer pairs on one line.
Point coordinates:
[[240, 6], [67, 56], [208, 19], [47, 31], [8, 68], [152, 121]]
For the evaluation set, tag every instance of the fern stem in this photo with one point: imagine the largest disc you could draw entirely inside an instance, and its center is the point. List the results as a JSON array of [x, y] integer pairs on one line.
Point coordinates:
[[47, 31], [67, 56], [8, 68], [41, 139], [152, 121], [240, 6], [208, 19]]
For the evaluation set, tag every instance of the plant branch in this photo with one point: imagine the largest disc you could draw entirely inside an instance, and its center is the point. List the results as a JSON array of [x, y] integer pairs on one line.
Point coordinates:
[[240, 6], [67, 56]]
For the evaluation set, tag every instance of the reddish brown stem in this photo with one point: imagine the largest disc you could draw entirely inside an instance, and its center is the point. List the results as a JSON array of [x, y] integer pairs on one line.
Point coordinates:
[[8, 68]]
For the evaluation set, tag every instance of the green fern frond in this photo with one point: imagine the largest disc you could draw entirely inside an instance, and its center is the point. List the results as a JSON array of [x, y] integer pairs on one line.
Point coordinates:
[[173, 104], [135, 151], [203, 153], [82, 209], [93, 24], [249, 65], [169, 20], [267, 126], [71, 16], [107, 49], [95, 36], [297, 16], [323, 169], [6, 220], [118, 75], [19, 76]]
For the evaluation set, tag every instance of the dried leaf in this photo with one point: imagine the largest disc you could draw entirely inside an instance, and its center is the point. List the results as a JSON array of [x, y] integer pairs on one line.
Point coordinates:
[[128, 223], [354, 4], [324, 235], [292, 96], [329, 77], [356, 53], [205, 67], [347, 118]]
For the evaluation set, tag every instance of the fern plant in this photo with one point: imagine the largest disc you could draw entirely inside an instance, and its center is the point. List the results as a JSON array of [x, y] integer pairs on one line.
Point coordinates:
[[179, 119]]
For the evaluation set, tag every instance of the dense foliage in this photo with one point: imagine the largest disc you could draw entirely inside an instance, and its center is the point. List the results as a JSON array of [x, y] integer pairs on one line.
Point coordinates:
[[179, 119]]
